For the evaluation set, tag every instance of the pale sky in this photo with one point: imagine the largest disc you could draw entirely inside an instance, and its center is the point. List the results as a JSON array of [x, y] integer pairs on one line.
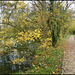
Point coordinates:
[[71, 7]]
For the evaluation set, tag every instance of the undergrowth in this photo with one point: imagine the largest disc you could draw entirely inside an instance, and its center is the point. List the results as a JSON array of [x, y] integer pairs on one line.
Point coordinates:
[[50, 61]]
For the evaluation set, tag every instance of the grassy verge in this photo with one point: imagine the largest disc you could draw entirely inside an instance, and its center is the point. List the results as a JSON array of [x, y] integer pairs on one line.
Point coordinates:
[[72, 27], [74, 36], [50, 61]]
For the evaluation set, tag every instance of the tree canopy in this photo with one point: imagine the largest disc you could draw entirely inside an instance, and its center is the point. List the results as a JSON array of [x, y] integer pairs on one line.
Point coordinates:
[[32, 30]]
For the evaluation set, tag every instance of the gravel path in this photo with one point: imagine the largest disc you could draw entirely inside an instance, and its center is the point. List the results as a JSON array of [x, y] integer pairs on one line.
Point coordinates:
[[69, 56]]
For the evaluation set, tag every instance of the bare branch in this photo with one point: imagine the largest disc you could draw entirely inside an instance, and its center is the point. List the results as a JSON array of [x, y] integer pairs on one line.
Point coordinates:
[[69, 5]]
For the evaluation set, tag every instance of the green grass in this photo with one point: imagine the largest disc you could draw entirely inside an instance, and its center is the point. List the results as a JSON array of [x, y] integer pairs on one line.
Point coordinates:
[[49, 62], [72, 26], [74, 36]]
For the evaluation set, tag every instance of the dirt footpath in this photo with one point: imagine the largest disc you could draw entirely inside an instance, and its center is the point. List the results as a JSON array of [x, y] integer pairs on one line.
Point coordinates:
[[69, 56]]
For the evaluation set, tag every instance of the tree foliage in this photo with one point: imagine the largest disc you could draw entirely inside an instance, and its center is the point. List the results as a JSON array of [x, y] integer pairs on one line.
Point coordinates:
[[32, 31]]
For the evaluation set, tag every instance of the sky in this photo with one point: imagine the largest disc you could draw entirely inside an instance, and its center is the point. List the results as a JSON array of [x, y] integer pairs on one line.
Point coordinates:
[[71, 7]]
